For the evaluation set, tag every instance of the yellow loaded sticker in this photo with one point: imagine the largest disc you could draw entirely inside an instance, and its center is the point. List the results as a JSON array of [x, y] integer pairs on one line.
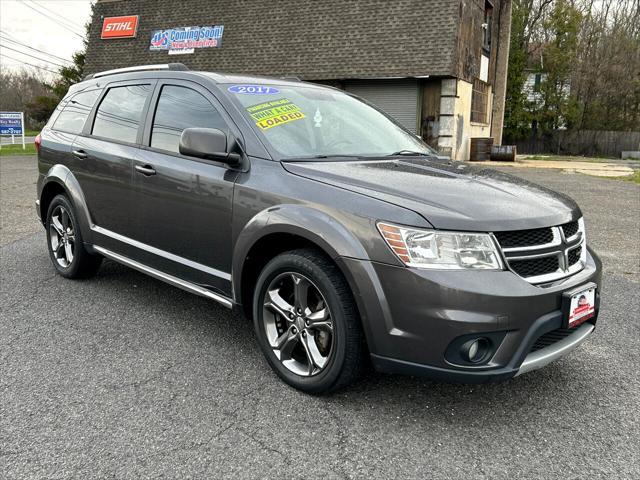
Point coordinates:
[[278, 112]]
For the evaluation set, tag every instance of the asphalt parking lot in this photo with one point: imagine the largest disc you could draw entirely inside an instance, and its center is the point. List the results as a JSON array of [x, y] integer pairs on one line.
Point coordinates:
[[122, 376]]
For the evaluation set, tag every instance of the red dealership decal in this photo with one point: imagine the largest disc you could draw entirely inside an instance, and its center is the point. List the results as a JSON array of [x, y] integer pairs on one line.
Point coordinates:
[[120, 27]]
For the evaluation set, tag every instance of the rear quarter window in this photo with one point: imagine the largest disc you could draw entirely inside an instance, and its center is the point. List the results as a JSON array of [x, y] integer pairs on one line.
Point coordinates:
[[74, 112]]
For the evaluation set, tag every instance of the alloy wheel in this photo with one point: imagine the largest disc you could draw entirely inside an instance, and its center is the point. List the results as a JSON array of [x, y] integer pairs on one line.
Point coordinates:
[[62, 236], [298, 324]]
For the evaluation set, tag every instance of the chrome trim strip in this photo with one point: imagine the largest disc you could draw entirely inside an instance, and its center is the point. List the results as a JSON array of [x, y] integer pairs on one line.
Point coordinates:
[[554, 253], [549, 277], [162, 253], [546, 355], [575, 239], [170, 279], [142, 68]]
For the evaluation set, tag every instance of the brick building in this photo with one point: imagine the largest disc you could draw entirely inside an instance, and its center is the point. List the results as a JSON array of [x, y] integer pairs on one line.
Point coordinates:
[[437, 66]]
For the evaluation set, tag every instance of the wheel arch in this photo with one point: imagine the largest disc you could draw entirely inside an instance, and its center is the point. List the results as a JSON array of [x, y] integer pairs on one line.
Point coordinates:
[[60, 180], [282, 229]]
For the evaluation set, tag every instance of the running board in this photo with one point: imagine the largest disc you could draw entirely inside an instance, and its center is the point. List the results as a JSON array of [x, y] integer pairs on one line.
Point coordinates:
[[170, 279]]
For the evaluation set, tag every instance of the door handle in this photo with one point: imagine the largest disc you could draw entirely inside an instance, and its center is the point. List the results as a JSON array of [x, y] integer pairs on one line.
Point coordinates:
[[146, 169], [81, 154]]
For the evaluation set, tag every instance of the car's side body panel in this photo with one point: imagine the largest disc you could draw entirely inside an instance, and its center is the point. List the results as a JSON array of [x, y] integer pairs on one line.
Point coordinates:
[[267, 201], [105, 178], [185, 209]]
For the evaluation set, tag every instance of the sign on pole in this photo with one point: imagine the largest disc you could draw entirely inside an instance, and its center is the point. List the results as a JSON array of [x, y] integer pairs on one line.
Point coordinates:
[[12, 123]]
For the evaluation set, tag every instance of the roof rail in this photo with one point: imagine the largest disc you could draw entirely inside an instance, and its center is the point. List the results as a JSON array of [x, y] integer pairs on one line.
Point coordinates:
[[141, 68]]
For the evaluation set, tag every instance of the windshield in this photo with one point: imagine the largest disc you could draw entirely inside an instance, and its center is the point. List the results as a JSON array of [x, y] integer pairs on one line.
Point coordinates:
[[311, 122]]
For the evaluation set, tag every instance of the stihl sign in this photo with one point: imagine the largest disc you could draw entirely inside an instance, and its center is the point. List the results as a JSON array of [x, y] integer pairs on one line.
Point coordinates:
[[120, 27]]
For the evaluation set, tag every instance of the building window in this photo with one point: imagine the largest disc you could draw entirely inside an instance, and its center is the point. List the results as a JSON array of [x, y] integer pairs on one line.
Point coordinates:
[[487, 27], [480, 102], [537, 81]]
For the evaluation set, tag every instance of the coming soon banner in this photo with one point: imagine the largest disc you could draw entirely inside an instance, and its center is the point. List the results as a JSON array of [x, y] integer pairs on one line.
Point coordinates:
[[186, 39]]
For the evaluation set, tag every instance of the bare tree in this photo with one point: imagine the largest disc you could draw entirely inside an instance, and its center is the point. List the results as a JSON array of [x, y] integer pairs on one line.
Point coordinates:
[[19, 88]]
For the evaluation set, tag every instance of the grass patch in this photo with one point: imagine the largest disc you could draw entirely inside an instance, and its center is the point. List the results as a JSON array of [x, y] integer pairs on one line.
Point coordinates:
[[634, 178], [17, 149], [565, 158]]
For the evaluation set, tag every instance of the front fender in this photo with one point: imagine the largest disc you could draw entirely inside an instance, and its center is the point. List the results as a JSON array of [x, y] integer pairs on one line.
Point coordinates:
[[347, 246], [309, 223], [63, 177]]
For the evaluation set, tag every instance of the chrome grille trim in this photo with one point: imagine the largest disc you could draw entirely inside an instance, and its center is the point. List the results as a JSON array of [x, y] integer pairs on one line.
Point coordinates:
[[559, 248]]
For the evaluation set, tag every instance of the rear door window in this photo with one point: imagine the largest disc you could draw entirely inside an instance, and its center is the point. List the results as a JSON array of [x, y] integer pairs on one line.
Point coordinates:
[[179, 108], [75, 112], [120, 113]]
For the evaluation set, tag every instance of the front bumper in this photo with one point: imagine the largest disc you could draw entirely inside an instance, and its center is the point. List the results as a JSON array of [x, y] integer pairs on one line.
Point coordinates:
[[412, 318]]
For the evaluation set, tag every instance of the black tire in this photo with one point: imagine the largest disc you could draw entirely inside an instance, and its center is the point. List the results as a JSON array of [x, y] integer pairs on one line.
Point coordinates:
[[346, 360], [82, 264]]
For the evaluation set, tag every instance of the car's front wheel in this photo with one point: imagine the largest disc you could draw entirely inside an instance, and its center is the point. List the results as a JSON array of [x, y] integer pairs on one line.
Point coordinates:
[[64, 238], [307, 322]]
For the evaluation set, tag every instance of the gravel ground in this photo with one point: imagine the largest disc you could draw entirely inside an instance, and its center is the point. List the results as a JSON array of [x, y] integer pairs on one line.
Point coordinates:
[[122, 376], [18, 176]]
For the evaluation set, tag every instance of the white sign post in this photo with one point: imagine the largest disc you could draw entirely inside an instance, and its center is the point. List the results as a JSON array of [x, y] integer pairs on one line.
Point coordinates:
[[12, 123]]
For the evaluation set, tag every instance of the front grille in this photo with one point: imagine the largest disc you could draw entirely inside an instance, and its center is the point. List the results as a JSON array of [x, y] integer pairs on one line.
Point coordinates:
[[550, 338], [535, 266], [574, 255], [544, 255], [524, 238], [570, 229]]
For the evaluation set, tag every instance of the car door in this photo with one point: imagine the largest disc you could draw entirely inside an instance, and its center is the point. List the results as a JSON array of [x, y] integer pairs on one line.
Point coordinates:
[[104, 154], [66, 123], [184, 204]]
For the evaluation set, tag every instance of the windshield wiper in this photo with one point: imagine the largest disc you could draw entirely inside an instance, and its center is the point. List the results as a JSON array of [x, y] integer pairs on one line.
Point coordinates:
[[408, 153], [328, 156]]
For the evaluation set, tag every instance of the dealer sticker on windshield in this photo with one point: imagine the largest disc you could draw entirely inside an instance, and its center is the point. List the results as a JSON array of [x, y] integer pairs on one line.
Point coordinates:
[[582, 306], [278, 112], [253, 89]]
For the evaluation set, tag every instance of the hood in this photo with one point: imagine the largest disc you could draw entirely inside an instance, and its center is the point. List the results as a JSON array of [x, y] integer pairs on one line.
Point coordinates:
[[449, 195]]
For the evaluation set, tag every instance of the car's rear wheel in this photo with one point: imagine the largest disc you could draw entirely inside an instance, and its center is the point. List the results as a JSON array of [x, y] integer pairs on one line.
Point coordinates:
[[64, 238], [307, 322]]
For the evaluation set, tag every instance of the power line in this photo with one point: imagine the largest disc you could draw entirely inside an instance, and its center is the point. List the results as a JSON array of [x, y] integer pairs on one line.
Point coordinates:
[[30, 64], [52, 19], [56, 16], [69, 22], [10, 39], [33, 56]]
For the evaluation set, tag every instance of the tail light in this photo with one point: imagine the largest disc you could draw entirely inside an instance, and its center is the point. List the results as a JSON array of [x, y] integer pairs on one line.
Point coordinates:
[[37, 142]]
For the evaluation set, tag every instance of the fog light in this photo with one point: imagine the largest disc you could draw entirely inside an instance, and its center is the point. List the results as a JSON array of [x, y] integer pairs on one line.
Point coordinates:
[[473, 350], [476, 350]]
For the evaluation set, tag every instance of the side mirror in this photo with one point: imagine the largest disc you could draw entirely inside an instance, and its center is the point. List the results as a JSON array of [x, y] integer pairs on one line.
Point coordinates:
[[210, 144]]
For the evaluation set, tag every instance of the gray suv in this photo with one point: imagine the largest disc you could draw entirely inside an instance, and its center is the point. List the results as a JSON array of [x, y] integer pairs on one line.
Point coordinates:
[[344, 238]]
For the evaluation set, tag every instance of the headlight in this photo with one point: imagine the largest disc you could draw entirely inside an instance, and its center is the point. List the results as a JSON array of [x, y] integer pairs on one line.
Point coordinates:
[[442, 250]]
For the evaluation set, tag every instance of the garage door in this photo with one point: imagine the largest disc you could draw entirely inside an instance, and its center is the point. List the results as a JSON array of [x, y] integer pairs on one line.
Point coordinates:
[[399, 98]]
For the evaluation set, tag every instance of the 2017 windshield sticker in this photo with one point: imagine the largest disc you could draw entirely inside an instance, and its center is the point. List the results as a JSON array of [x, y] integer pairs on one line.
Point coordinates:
[[253, 89], [278, 112]]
